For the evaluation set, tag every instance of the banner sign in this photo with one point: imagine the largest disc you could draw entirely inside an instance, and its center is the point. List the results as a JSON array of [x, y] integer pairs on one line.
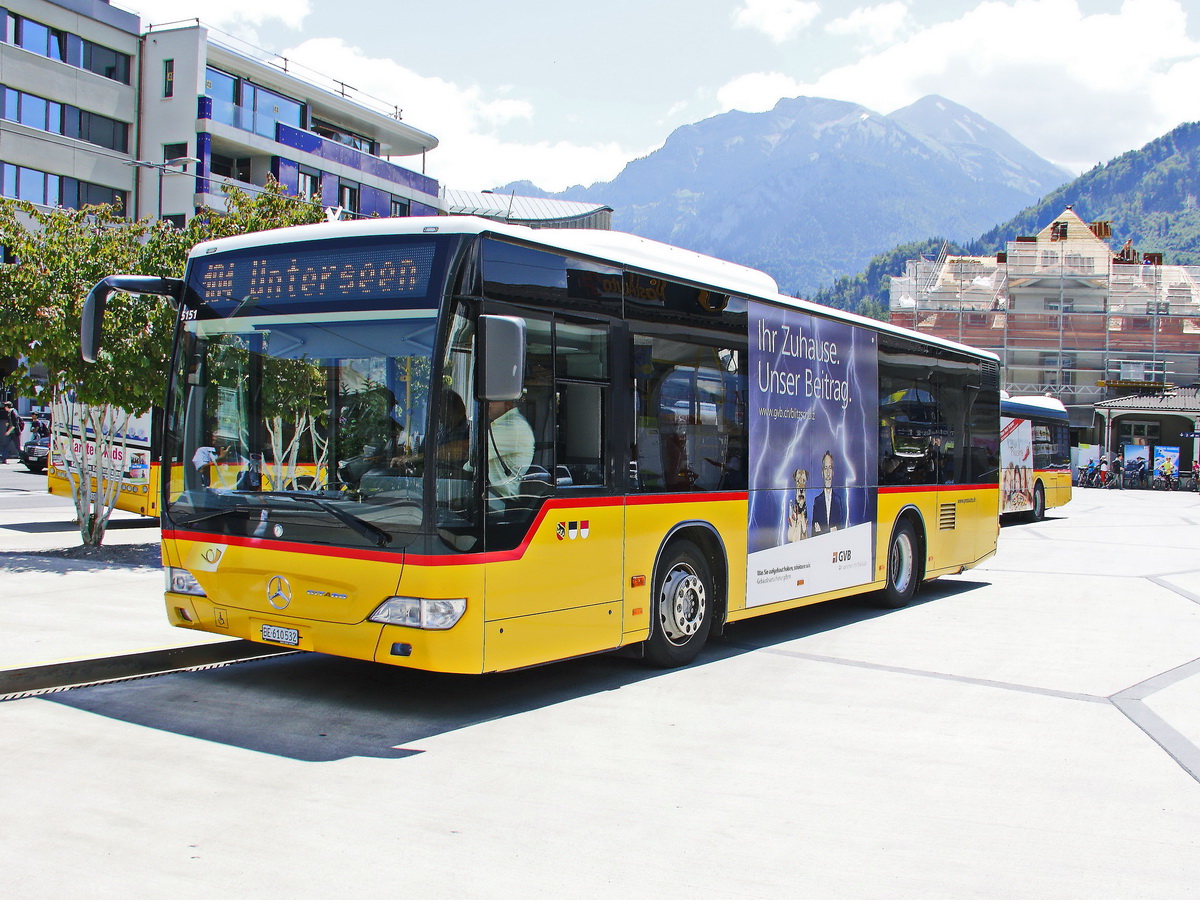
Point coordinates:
[[814, 433]]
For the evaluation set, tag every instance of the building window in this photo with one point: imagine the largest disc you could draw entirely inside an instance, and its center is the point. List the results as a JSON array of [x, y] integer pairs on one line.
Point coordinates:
[[56, 118], [309, 183], [1138, 370], [69, 48], [1067, 303], [168, 78], [399, 207], [174, 151], [1058, 371], [1133, 432], [245, 105], [228, 167], [105, 61], [332, 132], [47, 189], [348, 197], [175, 220]]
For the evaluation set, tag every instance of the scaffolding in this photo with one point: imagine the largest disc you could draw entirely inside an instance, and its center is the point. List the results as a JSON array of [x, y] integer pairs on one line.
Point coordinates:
[[1064, 314]]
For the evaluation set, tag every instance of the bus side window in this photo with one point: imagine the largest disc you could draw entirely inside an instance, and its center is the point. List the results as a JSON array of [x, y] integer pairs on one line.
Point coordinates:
[[689, 403], [582, 392]]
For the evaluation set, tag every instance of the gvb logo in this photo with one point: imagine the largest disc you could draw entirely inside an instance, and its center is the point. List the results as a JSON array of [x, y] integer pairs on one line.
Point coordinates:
[[841, 556]]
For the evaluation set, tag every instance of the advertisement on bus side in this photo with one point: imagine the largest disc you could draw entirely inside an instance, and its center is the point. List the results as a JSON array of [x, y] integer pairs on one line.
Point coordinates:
[[814, 433], [1016, 460], [124, 455]]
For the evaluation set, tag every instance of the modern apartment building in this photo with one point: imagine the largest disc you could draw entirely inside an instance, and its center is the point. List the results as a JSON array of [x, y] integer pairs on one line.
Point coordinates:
[[1069, 316], [95, 111], [68, 125], [243, 119]]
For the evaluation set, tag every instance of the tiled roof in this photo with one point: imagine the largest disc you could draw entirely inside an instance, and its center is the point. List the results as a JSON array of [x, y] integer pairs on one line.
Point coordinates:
[[1176, 400]]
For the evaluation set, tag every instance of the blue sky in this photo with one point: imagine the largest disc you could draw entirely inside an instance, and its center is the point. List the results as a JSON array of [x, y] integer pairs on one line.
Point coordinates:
[[563, 93]]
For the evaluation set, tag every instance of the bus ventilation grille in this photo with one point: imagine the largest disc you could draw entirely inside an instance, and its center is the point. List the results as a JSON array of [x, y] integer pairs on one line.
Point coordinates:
[[989, 374], [947, 516]]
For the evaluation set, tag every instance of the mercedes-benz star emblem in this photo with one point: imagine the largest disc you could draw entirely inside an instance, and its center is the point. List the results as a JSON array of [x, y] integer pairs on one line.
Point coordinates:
[[279, 592]]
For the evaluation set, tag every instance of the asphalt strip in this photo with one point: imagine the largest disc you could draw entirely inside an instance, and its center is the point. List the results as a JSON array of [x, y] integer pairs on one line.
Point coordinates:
[[76, 672]]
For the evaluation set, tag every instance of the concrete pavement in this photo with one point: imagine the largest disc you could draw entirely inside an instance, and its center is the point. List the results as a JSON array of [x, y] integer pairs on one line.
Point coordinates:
[[1029, 729], [69, 617]]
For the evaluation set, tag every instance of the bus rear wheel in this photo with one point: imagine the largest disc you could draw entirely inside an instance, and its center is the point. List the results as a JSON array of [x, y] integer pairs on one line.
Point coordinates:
[[1039, 503], [683, 606], [903, 567]]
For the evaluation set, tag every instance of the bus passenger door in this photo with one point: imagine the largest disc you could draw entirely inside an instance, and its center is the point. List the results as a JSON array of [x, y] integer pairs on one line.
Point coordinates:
[[554, 587]]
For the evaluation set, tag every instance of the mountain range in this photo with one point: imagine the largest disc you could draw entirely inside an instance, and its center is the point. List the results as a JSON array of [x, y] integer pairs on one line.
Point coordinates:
[[814, 188], [1151, 197]]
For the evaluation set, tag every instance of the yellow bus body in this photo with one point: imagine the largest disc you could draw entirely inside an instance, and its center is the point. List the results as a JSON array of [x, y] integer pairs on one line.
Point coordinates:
[[1057, 486], [140, 497], [579, 584]]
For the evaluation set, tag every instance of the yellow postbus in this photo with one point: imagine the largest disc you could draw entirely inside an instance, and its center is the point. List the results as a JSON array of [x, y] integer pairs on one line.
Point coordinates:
[[1035, 455], [510, 446], [128, 451]]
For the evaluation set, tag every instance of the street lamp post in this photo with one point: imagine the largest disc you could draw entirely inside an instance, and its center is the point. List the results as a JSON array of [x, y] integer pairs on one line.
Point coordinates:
[[176, 166]]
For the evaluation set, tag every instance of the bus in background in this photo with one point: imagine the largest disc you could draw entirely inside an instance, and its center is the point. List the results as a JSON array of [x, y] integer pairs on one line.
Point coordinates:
[[130, 455], [1035, 455], [520, 446]]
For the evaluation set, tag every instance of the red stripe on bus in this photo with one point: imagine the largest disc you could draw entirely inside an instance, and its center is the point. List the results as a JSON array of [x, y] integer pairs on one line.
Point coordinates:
[[943, 488]]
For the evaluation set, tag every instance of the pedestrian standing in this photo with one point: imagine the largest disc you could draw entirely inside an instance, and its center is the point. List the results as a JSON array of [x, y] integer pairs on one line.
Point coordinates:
[[38, 428], [10, 432]]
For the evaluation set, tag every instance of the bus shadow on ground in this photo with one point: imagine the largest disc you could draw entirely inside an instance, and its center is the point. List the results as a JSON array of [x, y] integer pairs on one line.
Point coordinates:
[[316, 708]]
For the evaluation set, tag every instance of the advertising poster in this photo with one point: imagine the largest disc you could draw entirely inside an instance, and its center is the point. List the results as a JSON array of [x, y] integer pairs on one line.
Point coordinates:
[[813, 455], [1137, 463], [1016, 478], [1166, 461]]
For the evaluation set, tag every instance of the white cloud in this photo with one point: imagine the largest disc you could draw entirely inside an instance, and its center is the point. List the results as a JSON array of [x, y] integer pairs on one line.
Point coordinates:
[[777, 19], [1119, 80], [223, 13], [758, 91], [466, 120], [872, 26]]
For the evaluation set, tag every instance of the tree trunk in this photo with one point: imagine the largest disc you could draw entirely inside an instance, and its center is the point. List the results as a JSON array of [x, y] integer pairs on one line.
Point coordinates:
[[92, 442]]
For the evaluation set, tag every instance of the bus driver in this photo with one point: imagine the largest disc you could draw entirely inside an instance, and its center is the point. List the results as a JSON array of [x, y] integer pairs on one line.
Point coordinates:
[[510, 448]]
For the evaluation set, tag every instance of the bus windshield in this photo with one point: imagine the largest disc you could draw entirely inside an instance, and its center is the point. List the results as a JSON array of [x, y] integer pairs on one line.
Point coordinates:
[[299, 408]]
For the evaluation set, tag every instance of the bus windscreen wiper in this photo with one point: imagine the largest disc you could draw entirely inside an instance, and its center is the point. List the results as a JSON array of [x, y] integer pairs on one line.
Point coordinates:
[[216, 514], [370, 531]]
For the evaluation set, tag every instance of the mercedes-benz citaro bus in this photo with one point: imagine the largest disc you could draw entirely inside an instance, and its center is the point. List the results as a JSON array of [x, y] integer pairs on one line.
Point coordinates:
[[1035, 455], [465, 446]]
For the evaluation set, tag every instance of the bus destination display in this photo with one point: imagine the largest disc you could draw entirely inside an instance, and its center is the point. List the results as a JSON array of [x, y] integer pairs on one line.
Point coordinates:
[[322, 273]]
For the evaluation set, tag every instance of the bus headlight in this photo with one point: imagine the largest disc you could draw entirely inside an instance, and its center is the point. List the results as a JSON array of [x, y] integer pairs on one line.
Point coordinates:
[[181, 581], [419, 612]]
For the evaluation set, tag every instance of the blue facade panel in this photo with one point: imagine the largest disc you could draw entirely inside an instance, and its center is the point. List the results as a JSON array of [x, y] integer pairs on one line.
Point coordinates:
[[420, 209], [204, 154], [332, 151], [374, 202], [329, 192], [286, 173]]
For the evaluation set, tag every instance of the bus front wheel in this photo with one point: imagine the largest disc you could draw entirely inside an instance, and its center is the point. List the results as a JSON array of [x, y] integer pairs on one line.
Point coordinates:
[[683, 606], [903, 567]]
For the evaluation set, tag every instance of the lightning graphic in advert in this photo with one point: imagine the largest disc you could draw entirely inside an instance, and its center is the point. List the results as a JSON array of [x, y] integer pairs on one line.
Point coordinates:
[[814, 433]]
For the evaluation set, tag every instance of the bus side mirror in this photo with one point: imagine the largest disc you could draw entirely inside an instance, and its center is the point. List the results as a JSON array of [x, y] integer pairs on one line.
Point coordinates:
[[502, 357], [92, 322]]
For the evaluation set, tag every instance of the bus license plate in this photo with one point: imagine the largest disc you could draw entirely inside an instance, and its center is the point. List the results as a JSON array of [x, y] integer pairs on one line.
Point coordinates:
[[277, 635]]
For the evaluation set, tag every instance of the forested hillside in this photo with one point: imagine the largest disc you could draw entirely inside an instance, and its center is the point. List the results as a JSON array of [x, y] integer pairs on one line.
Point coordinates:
[[1150, 195]]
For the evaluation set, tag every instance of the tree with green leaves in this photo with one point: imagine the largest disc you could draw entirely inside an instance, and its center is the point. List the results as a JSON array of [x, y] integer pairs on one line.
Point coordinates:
[[55, 257]]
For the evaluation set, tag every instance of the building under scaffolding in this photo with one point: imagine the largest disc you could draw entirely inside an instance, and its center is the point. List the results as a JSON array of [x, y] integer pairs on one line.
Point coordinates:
[[1067, 315]]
